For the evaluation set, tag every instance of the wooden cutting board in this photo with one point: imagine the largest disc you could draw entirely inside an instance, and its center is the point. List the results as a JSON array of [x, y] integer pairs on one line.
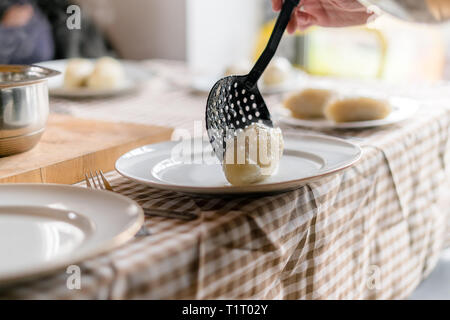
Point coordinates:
[[71, 146]]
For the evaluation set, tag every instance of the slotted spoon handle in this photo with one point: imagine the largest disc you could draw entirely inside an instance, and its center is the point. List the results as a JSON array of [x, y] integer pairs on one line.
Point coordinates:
[[272, 45]]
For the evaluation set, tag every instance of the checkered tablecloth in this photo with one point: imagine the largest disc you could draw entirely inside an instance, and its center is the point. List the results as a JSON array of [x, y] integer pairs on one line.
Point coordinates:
[[372, 231]]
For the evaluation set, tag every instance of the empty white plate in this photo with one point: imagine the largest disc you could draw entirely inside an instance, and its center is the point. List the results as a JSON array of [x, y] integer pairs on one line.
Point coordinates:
[[45, 227], [402, 109], [133, 76], [191, 167]]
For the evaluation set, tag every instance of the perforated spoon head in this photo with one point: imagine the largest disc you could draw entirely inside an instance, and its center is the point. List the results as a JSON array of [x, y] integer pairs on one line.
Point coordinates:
[[235, 102], [231, 107]]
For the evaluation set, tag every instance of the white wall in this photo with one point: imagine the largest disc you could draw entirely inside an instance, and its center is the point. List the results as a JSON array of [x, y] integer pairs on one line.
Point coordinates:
[[220, 32], [143, 29], [207, 33]]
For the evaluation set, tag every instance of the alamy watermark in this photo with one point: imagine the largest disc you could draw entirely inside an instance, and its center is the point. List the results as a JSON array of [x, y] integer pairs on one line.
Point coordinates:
[[73, 281], [373, 281], [73, 21], [253, 145]]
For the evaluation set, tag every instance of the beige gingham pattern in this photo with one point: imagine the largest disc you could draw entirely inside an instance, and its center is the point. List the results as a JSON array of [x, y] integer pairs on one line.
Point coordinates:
[[373, 231]]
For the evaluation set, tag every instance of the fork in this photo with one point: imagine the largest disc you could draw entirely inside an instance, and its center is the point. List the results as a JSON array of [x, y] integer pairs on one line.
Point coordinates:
[[103, 184], [100, 182]]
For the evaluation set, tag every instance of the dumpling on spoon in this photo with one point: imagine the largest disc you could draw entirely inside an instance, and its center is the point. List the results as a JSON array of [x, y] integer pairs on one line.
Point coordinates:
[[253, 154]]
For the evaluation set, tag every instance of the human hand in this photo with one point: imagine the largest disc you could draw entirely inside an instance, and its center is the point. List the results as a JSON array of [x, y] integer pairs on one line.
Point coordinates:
[[17, 15], [326, 13]]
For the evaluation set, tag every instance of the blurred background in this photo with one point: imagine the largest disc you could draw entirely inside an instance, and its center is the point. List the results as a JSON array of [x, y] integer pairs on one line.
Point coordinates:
[[212, 34]]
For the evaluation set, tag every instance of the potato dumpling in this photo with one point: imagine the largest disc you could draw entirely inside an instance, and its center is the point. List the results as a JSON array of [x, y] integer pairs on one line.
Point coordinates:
[[278, 71], [77, 72], [240, 68], [309, 103], [357, 109], [108, 74], [253, 154]]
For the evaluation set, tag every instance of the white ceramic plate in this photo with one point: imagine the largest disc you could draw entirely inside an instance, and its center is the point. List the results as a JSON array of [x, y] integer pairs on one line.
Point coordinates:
[[45, 227], [402, 109], [133, 76], [205, 83], [305, 158]]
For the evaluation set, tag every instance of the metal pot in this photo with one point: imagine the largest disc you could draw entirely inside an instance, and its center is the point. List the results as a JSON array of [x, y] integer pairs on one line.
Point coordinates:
[[23, 106]]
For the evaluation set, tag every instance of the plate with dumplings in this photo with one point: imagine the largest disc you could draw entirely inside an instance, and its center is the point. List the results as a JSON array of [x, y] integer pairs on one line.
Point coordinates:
[[257, 160], [93, 78], [279, 77], [319, 108]]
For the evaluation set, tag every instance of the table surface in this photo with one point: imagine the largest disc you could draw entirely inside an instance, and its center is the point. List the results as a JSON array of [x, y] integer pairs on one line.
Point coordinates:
[[373, 231]]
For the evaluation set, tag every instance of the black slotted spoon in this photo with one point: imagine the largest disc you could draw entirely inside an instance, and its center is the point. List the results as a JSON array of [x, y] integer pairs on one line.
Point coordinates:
[[235, 102]]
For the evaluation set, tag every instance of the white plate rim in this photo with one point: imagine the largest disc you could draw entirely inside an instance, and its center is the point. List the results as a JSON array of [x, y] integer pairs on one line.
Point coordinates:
[[60, 264], [249, 189], [91, 93], [282, 115], [129, 85]]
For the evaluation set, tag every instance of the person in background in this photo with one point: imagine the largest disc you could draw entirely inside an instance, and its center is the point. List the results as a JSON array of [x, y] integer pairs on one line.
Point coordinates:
[[325, 13], [87, 42], [25, 33], [35, 30]]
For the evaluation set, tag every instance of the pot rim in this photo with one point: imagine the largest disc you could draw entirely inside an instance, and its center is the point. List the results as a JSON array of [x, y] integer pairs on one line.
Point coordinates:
[[31, 74]]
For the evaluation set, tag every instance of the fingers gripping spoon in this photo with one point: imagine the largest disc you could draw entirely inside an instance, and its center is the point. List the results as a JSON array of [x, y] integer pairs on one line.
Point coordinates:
[[235, 102]]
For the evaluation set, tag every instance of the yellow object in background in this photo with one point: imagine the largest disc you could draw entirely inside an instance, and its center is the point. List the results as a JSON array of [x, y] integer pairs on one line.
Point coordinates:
[[415, 52], [351, 52], [386, 49]]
